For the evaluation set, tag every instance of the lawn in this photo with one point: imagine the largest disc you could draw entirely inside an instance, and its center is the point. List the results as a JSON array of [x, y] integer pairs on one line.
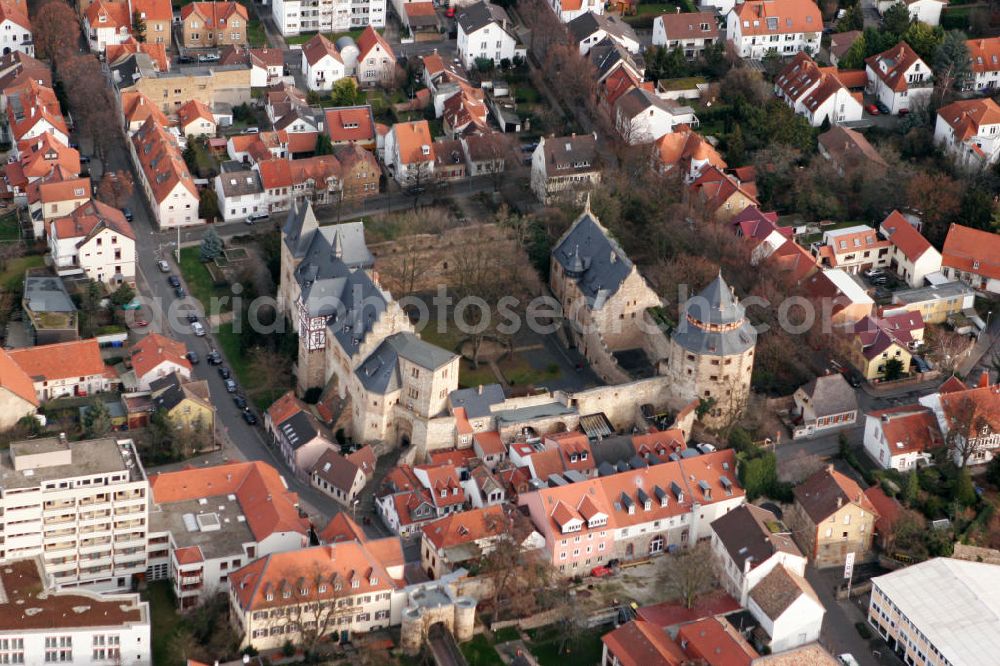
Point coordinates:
[[199, 281], [506, 634], [332, 36], [525, 93], [480, 652], [12, 278], [10, 229], [585, 650], [247, 377], [517, 370], [165, 621], [255, 34]]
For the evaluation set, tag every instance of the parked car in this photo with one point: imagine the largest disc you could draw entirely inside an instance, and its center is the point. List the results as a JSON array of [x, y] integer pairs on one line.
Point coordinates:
[[872, 272], [84, 159], [847, 659], [601, 572], [192, 318], [450, 12], [163, 266], [179, 292], [256, 216], [240, 401], [127, 212], [141, 323], [882, 107], [185, 59], [208, 57], [705, 448], [872, 109], [249, 417], [192, 357], [198, 329], [224, 372], [903, 112], [214, 358], [230, 386], [174, 281]]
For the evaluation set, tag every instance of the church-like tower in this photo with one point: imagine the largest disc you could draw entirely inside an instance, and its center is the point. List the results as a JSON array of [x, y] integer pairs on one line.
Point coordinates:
[[712, 351]]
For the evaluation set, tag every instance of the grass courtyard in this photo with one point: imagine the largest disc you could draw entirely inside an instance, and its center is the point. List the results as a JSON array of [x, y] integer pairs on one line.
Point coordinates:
[[543, 644]]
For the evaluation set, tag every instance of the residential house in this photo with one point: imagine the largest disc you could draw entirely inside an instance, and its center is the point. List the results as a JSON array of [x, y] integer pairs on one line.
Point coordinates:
[[32, 110], [196, 119], [925, 11], [565, 167], [376, 59], [157, 356], [567, 10], [643, 117], [817, 93], [449, 160], [719, 195], [972, 256], [164, 176], [213, 24], [840, 295], [691, 32], [187, 406], [969, 131], [409, 153], [485, 32], [788, 609], [984, 54], [267, 66], [49, 312], [73, 368], [463, 538], [297, 434], [898, 78], [343, 477], [156, 16], [640, 642], [633, 514], [17, 392], [316, 179], [686, 151], [969, 420], [258, 148], [877, 341], [75, 476], [486, 154], [92, 627], [106, 23], [351, 125], [714, 641], [848, 149], [240, 192], [137, 108], [853, 249], [830, 518], [590, 28], [208, 522], [122, 56], [899, 610], [935, 303], [901, 438], [359, 172], [94, 240], [322, 64], [841, 43], [825, 403], [787, 27], [913, 258], [293, 17], [360, 576], [57, 198], [15, 29], [465, 113], [413, 496], [748, 542]]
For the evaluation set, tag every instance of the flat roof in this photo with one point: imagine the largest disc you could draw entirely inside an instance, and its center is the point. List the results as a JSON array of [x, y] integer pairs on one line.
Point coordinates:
[[226, 541], [522, 414], [934, 292], [847, 286], [90, 458]]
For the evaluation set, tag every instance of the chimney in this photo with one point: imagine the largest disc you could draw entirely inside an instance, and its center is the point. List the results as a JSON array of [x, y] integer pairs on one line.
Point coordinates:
[[829, 469], [984, 379], [840, 501], [480, 389]]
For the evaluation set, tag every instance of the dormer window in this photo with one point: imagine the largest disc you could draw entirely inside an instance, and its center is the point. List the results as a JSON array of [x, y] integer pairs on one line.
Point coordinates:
[[647, 505], [286, 594], [454, 491], [444, 492], [573, 458], [355, 583], [583, 455], [374, 580], [322, 588]]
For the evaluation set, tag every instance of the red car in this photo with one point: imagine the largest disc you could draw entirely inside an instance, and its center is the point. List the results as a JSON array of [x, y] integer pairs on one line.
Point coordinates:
[[141, 323], [450, 12], [872, 109], [601, 572]]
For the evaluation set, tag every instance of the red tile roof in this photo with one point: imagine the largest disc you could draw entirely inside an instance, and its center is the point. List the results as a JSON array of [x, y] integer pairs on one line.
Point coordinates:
[[318, 48], [642, 643], [984, 54], [688, 25], [155, 349], [341, 528], [367, 41], [114, 14], [89, 219], [967, 116], [716, 642], [489, 442], [824, 492], [275, 173], [154, 10], [672, 613], [467, 527], [897, 61], [15, 379], [215, 14], [15, 14], [411, 139], [138, 108], [972, 251], [193, 110], [77, 358], [268, 505], [766, 17], [161, 160], [909, 429]]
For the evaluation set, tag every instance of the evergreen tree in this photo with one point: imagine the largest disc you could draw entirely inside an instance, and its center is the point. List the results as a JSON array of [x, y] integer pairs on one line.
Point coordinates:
[[323, 145], [97, 419], [211, 245], [138, 27], [122, 295], [896, 20], [912, 490], [965, 492], [208, 207]]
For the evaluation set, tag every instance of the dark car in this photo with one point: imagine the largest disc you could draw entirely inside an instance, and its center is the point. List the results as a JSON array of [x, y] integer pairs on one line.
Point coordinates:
[[214, 358], [231, 386], [174, 281], [84, 159], [127, 212], [192, 318], [185, 59], [250, 418], [192, 357], [224, 372], [240, 401], [882, 107], [179, 292]]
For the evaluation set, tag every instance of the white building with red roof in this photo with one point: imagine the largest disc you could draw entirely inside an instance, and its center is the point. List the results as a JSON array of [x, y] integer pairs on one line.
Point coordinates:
[[817, 93], [912, 258], [412, 496], [322, 64], [901, 438], [969, 131], [15, 28], [164, 176], [208, 522], [409, 153], [969, 421], [984, 56], [106, 23], [73, 368], [633, 514], [691, 32], [17, 392], [567, 10], [972, 256], [94, 240], [157, 356], [785, 26], [898, 78], [194, 118], [376, 59]]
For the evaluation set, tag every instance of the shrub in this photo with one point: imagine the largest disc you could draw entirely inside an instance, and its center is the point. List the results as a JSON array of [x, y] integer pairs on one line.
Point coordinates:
[[863, 630]]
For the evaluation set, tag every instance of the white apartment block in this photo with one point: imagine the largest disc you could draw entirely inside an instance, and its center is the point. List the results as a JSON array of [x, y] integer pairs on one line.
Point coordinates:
[[969, 131], [784, 26], [297, 16], [81, 506], [40, 624]]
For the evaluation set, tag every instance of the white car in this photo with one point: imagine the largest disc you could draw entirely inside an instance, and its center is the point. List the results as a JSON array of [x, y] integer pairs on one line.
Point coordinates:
[[847, 659], [705, 448], [164, 266], [198, 329]]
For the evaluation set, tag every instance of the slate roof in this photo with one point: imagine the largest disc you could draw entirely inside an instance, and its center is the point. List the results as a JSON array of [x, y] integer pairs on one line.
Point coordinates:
[[752, 533], [336, 470], [240, 183], [713, 310], [830, 395], [380, 371], [818, 495], [608, 54], [778, 590], [585, 25], [478, 16], [589, 255]]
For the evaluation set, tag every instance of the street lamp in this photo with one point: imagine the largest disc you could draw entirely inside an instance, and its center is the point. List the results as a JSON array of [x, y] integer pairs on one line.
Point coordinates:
[[354, 509]]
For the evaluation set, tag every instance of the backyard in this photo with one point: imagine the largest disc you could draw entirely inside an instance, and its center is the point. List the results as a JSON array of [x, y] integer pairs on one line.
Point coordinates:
[[165, 621], [10, 228], [12, 278], [543, 643], [332, 36]]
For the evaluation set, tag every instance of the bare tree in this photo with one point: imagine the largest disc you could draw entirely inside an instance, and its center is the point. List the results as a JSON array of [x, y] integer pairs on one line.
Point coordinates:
[[314, 599], [500, 154], [546, 29], [688, 574], [947, 349], [968, 428], [273, 368], [56, 30], [800, 466], [115, 188], [10, 251], [90, 99], [516, 576]]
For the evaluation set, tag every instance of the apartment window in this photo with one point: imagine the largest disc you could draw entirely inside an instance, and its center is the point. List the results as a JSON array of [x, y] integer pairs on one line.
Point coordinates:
[[11, 650], [58, 649], [106, 648]]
